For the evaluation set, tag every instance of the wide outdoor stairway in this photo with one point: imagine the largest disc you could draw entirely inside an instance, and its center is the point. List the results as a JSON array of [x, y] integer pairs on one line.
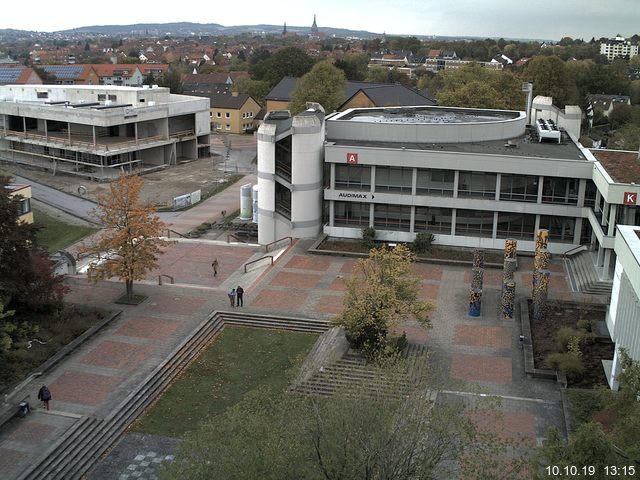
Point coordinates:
[[353, 371], [583, 275], [77, 451]]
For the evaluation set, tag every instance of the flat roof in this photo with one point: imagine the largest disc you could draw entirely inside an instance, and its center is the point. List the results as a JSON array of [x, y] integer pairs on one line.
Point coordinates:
[[518, 147], [622, 166], [426, 115], [46, 86]]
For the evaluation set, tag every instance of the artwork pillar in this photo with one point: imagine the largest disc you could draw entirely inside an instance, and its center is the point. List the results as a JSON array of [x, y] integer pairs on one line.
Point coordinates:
[[540, 294], [477, 276], [475, 302], [508, 298]]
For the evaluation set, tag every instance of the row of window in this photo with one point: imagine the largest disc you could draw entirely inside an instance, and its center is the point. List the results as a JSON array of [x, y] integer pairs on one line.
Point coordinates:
[[218, 126], [475, 223], [228, 114], [519, 188]]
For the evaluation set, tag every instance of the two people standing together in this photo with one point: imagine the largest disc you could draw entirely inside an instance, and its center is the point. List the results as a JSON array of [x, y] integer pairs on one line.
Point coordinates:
[[236, 296]]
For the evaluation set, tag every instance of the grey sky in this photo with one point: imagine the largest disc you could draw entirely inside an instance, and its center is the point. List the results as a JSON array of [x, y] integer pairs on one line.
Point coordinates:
[[550, 19]]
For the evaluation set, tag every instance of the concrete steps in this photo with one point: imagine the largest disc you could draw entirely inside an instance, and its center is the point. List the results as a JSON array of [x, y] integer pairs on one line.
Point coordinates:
[[585, 276], [89, 438]]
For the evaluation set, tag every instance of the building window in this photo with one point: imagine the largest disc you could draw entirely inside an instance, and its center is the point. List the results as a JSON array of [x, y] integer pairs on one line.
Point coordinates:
[[590, 194], [113, 98], [394, 179], [250, 114], [561, 229], [25, 206], [474, 223], [516, 225], [477, 184], [244, 115], [218, 115], [42, 94], [435, 182], [353, 177], [351, 214], [228, 127], [519, 188], [392, 217], [560, 190], [102, 97], [433, 219], [227, 115]]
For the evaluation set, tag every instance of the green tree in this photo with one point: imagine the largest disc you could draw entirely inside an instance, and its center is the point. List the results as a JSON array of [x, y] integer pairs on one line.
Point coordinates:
[[620, 116], [287, 62], [354, 66], [551, 78], [377, 74], [379, 295], [6, 329], [476, 87], [256, 89], [625, 138], [324, 84], [386, 428], [171, 79], [130, 237]]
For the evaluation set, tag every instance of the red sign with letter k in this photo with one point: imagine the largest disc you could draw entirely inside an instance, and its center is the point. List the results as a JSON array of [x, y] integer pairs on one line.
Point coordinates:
[[630, 198]]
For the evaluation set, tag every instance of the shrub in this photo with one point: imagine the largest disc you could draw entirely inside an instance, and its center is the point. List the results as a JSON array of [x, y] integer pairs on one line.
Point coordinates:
[[567, 363], [422, 242], [587, 325], [369, 237], [564, 336]]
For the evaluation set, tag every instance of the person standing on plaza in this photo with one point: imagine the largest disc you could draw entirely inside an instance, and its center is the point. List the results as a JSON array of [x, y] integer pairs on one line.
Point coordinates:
[[232, 297], [214, 264], [44, 394], [239, 294]]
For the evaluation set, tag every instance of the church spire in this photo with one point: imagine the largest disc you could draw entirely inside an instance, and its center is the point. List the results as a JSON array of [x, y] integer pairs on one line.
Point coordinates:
[[284, 32], [314, 26]]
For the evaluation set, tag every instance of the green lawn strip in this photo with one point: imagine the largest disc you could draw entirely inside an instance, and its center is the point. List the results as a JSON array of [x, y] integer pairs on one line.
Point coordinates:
[[56, 235], [240, 360]]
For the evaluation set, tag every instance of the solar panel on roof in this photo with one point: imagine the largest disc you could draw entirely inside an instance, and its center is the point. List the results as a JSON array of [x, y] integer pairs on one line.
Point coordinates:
[[64, 72], [10, 74]]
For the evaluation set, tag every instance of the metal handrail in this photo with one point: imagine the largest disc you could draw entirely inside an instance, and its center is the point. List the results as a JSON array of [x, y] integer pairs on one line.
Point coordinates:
[[257, 260], [574, 249], [165, 275], [266, 247], [169, 230]]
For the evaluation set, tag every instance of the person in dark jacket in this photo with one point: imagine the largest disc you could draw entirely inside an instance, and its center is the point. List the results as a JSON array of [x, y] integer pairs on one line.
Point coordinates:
[[44, 394], [239, 294]]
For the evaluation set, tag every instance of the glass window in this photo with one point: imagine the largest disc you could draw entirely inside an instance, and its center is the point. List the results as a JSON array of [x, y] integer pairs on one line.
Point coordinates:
[[590, 194], [392, 217], [560, 190], [435, 182], [560, 228], [519, 188], [353, 177], [228, 127], [516, 225], [474, 223], [25, 206], [477, 184], [227, 115], [433, 219], [218, 114], [351, 214], [394, 179]]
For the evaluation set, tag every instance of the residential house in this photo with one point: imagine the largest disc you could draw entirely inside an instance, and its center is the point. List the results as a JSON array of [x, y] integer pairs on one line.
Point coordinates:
[[24, 192], [72, 74], [502, 59], [606, 103], [18, 75], [618, 47], [233, 113]]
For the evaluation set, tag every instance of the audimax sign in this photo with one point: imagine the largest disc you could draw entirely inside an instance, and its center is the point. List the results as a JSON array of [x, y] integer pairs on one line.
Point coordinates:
[[363, 196]]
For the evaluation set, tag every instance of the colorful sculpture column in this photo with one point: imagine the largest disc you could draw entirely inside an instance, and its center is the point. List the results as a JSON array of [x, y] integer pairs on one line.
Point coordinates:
[[508, 279], [540, 291], [540, 294]]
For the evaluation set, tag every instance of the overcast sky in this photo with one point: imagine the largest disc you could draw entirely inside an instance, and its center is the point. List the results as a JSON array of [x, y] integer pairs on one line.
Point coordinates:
[[547, 19]]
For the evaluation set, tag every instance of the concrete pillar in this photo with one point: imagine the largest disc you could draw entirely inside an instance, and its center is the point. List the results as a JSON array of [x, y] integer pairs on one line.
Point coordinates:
[[456, 180], [606, 264], [498, 186], [540, 185], [93, 131], [332, 177], [414, 182], [616, 369], [332, 212], [600, 258], [613, 210], [412, 222], [582, 189], [453, 220], [373, 179], [135, 131], [69, 132], [577, 231]]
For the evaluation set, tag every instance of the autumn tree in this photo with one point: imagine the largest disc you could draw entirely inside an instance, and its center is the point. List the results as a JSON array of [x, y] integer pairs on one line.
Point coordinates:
[[324, 84], [551, 78], [130, 240], [287, 62], [380, 294]]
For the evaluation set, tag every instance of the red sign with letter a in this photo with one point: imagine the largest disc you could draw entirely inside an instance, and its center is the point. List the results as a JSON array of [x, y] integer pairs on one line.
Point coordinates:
[[352, 158], [630, 198]]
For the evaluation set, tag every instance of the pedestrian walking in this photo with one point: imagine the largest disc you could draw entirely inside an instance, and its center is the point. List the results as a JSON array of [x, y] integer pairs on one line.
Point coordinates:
[[232, 297], [239, 294], [44, 394], [214, 264]]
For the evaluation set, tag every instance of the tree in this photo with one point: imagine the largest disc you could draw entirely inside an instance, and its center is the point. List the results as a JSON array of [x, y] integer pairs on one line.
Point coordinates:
[[173, 80], [130, 238], [551, 78], [6, 329], [287, 62], [256, 89], [384, 429], [324, 84], [354, 66], [379, 295], [621, 115], [476, 87]]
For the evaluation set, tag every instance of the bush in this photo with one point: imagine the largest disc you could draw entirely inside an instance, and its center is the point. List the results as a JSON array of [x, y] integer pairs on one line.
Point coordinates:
[[567, 363], [369, 237], [587, 325], [564, 336], [422, 242]]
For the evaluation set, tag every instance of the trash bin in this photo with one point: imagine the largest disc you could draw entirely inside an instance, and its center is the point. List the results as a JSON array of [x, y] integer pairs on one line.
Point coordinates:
[[23, 409]]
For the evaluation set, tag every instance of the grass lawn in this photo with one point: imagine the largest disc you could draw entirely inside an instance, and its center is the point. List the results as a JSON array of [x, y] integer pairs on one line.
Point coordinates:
[[55, 234], [240, 360]]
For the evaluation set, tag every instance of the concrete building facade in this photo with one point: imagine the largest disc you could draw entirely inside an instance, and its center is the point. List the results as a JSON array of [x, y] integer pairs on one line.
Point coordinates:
[[94, 131]]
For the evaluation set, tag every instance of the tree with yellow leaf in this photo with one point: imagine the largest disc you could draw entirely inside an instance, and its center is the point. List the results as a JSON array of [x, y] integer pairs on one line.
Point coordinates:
[[130, 242], [380, 294]]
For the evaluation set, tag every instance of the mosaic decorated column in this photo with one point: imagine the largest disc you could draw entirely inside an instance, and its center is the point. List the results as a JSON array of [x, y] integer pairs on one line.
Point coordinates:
[[510, 265], [510, 248], [477, 276], [540, 294], [540, 262], [478, 258], [475, 302], [508, 299], [542, 239]]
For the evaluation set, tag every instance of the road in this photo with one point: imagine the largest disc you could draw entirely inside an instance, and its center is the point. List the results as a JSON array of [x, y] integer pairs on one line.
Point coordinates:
[[72, 204]]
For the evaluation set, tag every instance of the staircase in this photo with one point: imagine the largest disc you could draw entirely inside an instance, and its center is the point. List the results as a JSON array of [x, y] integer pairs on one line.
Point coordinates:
[[583, 275], [77, 451], [353, 371]]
